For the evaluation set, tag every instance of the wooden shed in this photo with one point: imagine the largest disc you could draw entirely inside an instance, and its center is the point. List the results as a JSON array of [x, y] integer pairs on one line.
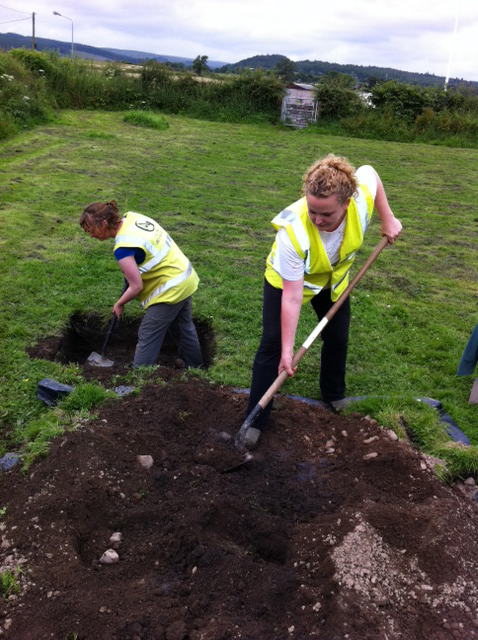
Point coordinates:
[[299, 106]]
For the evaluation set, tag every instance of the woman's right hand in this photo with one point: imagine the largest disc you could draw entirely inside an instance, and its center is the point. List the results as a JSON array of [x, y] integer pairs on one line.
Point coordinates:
[[286, 364], [118, 309]]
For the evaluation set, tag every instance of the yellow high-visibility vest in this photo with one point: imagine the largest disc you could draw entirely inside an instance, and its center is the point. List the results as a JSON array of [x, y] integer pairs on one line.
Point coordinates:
[[305, 237], [167, 274]]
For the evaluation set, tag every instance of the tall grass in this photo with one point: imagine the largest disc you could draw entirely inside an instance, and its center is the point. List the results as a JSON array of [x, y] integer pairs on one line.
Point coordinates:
[[24, 97], [34, 85], [402, 113]]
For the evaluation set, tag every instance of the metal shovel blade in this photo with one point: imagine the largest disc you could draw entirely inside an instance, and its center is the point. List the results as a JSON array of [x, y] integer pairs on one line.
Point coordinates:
[[219, 450], [98, 360]]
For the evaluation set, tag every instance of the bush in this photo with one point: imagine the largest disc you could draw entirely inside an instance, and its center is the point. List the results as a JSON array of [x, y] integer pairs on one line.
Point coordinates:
[[249, 94], [452, 128], [24, 96], [146, 119], [36, 62], [379, 125], [154, 74], [245, 97], [403, 100], [336, 96], [79, 84], [409, 101]]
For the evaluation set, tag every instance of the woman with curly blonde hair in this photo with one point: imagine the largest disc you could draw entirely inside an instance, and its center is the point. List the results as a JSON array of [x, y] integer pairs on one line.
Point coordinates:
[[316, 242]]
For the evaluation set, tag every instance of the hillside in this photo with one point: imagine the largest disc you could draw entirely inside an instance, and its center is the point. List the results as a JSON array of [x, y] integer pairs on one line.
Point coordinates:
[[310, 70], [16, 41], [305, 70]]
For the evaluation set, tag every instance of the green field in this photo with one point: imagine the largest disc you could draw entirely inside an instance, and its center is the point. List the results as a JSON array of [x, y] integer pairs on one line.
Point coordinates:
[[215, 187]]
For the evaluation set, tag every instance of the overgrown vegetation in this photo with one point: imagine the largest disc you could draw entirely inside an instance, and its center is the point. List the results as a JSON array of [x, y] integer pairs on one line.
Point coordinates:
[[337, 98], [398, 112], [33, 86]]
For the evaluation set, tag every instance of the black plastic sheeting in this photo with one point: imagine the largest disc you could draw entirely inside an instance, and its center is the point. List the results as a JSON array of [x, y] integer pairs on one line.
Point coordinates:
[[452, 429], [50, 391]]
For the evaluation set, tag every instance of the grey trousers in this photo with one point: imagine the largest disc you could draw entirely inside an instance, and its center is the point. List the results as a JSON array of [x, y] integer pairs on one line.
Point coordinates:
[[156, 322]]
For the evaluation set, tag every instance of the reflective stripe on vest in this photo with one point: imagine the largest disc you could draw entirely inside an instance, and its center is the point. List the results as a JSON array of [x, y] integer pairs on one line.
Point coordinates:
[[166, 273], [157, 256], [337, 284], [299, 236], [318, 272], [169, 284], [312, 287]]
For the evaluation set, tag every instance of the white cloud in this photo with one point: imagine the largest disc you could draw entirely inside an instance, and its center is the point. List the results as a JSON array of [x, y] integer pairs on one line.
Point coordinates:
[[402, 34]]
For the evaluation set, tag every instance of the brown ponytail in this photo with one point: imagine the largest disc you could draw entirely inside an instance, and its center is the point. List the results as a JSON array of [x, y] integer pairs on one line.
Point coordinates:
[[97, 212]]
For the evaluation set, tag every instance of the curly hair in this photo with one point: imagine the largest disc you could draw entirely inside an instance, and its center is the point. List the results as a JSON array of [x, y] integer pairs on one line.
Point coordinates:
[[330, 176], [97, 212]]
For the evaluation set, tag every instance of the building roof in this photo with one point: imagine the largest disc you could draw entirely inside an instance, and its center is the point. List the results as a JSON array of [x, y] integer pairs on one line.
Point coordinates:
[[301, 85]]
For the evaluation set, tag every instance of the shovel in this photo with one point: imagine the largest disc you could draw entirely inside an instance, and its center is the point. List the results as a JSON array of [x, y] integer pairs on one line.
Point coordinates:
[[99, 359], [241, 454]]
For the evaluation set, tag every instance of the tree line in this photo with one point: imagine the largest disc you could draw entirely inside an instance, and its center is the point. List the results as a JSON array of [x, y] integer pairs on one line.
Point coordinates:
[[313, 70]]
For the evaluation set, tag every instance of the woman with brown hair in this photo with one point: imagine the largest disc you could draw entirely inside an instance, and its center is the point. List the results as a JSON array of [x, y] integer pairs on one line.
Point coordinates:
[[158, 274]]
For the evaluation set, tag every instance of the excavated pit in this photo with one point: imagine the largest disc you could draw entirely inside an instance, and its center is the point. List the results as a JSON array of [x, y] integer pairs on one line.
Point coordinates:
[[86, 333]]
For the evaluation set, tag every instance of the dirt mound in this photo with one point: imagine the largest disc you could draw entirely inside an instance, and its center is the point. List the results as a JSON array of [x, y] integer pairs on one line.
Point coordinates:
[[334, 530]]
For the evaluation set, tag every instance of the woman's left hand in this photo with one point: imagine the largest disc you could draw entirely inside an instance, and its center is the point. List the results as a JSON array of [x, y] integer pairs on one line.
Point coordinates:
[[391, 227]]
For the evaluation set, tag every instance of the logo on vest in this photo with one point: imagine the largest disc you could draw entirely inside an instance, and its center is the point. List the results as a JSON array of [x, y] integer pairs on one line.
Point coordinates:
[[145, 226]]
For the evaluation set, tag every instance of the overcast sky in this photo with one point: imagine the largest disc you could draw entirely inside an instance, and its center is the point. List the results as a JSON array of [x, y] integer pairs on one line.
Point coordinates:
[[411, 35]]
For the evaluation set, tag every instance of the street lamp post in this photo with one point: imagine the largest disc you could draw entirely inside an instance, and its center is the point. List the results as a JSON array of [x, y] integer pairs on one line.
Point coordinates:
[[55, 13]]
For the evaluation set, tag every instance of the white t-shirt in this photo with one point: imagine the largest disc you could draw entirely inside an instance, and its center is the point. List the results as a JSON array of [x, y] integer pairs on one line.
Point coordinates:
[[287, 261]]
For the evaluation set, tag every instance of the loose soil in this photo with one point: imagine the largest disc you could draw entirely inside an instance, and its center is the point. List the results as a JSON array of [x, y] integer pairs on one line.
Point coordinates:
[[333, 531]]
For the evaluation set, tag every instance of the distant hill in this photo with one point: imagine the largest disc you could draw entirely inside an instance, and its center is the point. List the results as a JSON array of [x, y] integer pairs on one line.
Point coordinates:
[[16, 41], [306, 70], [310, 70]]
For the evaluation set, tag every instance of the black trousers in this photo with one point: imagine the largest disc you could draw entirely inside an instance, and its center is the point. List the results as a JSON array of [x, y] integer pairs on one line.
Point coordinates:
[[333, 355]]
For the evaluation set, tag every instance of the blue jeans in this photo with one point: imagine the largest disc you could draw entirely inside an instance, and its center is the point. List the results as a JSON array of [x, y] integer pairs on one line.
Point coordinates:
[[157, 320], [333, 355]]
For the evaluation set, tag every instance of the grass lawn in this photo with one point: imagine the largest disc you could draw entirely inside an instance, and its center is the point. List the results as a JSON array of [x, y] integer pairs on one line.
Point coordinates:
[[215, 187]]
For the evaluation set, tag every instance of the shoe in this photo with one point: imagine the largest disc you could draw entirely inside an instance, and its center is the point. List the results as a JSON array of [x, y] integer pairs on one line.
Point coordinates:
[[338, 405], [328, 406], [179, 364], [252, 438]]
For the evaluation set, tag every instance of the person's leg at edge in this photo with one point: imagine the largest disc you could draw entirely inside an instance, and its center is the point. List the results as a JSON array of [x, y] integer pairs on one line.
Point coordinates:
[[333, 355], [157, 320], [266, 361], [185, 335]]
